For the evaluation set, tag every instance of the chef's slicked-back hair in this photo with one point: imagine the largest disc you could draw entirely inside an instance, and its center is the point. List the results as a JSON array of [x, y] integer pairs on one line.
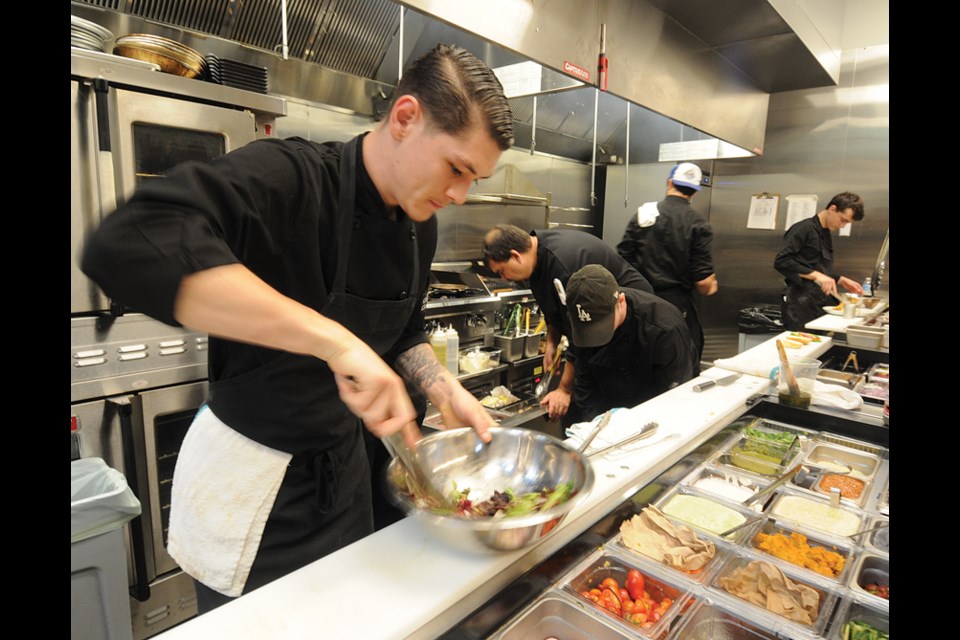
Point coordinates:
[[457, 90]]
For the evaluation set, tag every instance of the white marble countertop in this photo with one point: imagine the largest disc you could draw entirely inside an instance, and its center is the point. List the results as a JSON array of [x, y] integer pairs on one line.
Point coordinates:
[[402, 582]]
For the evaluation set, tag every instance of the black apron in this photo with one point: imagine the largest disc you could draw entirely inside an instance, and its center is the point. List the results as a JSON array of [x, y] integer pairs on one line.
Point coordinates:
[[803, 303], [292, 404], [683, 300]]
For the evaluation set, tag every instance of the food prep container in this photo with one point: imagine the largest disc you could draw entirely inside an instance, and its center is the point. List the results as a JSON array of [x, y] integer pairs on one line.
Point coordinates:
[[842, 378], [828, 595], [865, 337], [659, 584], [478, 359], [819, 480], [849, 551], [879, 540], [730, 514], [727, 484], [763, 457], [531, 344], [871, 569], [554, 615], [872, 392], [818, 515], [879, 373], [852, 611], [834, 458], [511, 346], [616, 545], [712, 618]]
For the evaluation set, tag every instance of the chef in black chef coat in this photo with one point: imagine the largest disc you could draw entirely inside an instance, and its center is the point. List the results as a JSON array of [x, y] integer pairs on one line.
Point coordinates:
[[544, 260], [308, 265], [632, 345], [805, 261]]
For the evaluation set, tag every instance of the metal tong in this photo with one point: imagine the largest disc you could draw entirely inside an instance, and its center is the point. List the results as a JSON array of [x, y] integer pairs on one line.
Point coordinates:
[[604, 421], [648, 430], [763, 493]]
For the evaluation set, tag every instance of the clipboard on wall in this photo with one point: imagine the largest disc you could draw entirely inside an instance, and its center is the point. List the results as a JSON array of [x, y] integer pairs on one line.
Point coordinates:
[[764, 209]]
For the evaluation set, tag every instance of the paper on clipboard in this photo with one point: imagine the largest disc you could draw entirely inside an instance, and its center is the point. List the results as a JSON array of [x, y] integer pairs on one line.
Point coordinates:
[[763, 211], [800, 207]]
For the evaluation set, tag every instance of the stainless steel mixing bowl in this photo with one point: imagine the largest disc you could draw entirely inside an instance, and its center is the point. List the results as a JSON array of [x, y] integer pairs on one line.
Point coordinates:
[[517, 459]]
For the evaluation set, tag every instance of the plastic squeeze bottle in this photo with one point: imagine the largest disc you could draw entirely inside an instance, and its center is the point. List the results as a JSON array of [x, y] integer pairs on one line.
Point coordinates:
[[453, 350], [438, 340]]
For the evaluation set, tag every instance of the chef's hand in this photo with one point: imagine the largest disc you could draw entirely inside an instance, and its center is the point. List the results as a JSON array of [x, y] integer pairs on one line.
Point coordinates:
[[828, 285], [374, 392], [850, 285], [556, 403], [457, 406], [461, 409]]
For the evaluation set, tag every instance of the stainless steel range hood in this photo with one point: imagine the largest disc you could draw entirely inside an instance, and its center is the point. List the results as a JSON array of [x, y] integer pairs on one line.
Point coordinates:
[[691, 68]]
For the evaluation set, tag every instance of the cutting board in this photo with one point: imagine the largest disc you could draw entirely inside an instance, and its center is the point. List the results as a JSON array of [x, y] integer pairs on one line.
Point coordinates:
[[761, 359], [828, 322]]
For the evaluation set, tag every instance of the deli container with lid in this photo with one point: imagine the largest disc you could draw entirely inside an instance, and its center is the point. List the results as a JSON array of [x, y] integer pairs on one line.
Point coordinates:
[[853, 613], [660, 584], [872, 572], [812, 513], [555, 615], [707, 513], [828, 559], [813, 599]]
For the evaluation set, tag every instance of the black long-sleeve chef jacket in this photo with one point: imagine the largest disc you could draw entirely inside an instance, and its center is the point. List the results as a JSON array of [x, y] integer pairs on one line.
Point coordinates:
[[271, 205], [650, 353], [560, 254], [674, 252], [807, 246]]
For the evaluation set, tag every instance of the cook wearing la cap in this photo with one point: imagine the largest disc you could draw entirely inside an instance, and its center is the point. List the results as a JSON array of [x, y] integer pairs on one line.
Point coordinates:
[[593, 296], [632, 344]]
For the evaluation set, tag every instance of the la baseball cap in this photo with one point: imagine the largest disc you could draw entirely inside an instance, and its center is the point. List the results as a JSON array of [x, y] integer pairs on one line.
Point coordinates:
[[592, 294], [687, 174]]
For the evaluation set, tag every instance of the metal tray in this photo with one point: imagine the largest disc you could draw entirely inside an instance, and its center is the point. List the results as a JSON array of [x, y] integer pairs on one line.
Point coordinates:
[[848, 552], [556, 616], [842, 378]]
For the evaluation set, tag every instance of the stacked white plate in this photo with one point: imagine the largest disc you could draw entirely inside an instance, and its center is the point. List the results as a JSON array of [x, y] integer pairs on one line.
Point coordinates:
[[88, 35]]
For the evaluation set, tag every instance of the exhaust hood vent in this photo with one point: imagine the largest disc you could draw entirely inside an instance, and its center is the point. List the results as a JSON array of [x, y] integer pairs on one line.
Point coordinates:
[[509, 186]]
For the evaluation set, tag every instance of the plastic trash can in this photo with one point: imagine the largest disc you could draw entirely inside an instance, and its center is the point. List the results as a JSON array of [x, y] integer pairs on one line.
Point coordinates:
[[100, 504], [757, 324]]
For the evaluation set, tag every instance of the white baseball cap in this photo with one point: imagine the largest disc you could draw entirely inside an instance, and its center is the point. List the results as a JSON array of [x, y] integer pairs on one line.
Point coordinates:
[[687, 174]]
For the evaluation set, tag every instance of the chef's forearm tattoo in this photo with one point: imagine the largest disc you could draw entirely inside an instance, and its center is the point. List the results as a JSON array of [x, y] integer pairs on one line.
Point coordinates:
[[420, 367]]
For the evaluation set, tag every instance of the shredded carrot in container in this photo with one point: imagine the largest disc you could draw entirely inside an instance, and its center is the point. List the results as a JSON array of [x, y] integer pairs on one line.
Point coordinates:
[[795, 549]]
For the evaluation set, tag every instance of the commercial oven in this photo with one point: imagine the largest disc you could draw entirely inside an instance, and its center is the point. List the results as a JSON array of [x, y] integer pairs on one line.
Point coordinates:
[[135, 387], [131, 123], [137, 383]]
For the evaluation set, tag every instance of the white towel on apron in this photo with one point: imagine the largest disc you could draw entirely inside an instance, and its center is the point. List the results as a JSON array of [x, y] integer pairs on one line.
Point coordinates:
[[224, 486]]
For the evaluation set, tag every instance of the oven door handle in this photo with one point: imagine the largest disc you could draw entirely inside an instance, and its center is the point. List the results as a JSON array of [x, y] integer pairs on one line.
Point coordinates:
[[140, 589], [105, 177]]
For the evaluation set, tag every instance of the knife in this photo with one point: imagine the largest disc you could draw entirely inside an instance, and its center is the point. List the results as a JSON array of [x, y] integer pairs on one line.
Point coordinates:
[[715, 381]]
